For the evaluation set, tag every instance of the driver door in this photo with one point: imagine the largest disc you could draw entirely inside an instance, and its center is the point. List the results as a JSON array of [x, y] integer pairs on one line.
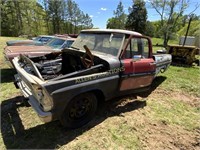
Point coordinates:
[[139, 69]]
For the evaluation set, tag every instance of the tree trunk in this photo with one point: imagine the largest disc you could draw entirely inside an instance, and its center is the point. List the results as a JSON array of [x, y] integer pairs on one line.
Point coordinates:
[[166, 39], [19, 18]]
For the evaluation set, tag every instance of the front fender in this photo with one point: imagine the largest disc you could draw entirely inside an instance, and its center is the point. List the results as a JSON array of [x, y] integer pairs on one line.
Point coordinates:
[[61, 97]]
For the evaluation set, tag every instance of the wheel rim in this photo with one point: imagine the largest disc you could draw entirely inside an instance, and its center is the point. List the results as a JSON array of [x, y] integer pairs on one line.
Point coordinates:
[[80, 108]]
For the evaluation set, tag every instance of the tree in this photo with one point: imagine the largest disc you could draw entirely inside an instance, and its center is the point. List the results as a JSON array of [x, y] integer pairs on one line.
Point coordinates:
[[150, 29], [11, 18], [87, 21], [119, 19], [20, 17], [55, 8], [6, 18], [170, 12], [157, 32], [193, 31], [70, 15], [65, 16], [137, 17], [42, 17], [111, 23], [46, 16]]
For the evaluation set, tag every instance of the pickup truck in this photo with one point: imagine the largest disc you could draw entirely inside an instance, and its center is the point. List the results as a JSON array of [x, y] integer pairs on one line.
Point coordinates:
[[101, 64]]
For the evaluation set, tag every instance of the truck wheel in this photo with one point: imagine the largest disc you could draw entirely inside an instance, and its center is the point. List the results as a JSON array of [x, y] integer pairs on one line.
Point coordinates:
[[79, 111]]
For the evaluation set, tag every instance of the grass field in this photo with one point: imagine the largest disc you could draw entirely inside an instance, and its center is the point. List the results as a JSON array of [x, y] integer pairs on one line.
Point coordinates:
[[165, 117]]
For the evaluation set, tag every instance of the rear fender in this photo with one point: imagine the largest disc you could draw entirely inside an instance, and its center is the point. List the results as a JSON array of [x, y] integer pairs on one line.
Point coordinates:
[[162, 61]]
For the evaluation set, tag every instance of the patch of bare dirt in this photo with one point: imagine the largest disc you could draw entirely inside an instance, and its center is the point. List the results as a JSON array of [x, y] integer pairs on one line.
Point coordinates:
[[189, 99], [184, 97], [157, 135], [162, 136]]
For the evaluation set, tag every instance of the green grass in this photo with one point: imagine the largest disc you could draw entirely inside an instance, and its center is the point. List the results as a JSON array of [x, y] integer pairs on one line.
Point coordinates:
[[182, 82], [159, 41], [183, 79], [125, 137], [7, 87], [121, 125], [174, 112]]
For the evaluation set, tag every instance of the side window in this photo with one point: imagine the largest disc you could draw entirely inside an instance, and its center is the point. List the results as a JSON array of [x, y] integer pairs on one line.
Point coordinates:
[[128, 52], [146, 48], [137, 47]]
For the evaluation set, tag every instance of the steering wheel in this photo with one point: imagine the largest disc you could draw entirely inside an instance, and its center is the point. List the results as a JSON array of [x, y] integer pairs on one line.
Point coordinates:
[[87, 58]]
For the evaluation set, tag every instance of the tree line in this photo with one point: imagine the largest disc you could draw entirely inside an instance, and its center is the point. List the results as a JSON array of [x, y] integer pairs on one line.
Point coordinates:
[[172, 20], [35, 17]]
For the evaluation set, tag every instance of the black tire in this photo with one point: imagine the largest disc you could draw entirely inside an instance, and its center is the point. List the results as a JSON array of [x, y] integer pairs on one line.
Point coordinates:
[[79, 111]]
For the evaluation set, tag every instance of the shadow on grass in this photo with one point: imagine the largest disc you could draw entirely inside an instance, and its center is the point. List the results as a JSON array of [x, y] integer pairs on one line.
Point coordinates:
[[184, 64], [157, 81], [53, 135], [7, 75]]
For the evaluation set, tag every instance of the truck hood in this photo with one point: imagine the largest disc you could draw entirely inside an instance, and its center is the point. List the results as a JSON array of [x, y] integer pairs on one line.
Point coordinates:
[[23, 42], [18, 49], [111, 60]]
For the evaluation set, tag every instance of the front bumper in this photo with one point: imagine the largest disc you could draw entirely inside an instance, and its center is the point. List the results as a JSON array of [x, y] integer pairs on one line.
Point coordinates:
[[44, 116]]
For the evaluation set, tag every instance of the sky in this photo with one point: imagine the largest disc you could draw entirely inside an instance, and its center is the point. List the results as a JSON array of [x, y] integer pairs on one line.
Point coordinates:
[[101, 10]]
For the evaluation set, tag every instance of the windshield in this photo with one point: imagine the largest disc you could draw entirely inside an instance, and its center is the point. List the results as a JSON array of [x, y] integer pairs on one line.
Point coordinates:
[[68, 44], [45, 39], [56, 43], [37, 38], [108, 43]]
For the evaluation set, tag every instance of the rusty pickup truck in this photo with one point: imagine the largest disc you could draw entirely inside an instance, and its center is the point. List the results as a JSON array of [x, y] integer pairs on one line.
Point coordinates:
[[101, 64]]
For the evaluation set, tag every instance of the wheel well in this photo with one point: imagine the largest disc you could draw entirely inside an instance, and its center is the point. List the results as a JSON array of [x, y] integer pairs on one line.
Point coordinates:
[[99, 95]]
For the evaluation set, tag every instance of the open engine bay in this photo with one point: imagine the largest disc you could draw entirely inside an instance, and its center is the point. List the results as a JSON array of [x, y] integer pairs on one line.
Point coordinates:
[[61, 65]]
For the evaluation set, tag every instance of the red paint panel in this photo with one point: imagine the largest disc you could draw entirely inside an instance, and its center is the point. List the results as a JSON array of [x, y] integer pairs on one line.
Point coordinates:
[[144, 65], [128, 65], [136, 82], [139, 66]]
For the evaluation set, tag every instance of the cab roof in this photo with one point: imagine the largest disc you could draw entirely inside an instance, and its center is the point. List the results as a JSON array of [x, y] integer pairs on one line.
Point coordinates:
[[112, 31]]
